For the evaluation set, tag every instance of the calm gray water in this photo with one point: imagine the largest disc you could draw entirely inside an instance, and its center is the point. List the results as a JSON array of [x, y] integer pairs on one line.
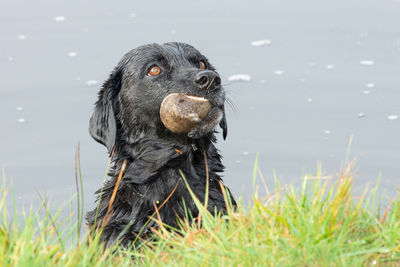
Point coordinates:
[[331, 72]]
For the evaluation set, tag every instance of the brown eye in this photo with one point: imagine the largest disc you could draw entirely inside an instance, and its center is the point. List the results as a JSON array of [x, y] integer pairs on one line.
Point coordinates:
[[202, 65], [154, 71]]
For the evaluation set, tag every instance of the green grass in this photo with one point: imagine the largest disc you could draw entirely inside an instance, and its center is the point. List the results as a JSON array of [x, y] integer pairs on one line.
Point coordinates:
[[319, 224]]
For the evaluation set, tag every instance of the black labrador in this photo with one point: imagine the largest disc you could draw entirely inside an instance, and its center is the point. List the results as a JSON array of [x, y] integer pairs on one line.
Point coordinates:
[[126, 120]]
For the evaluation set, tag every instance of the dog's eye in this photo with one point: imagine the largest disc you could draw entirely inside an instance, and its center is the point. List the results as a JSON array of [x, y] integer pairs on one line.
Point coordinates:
[[154, 71], [202, 65]]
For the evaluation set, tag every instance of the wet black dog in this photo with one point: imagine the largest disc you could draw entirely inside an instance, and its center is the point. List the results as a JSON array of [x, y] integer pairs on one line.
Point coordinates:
[[126, 120]]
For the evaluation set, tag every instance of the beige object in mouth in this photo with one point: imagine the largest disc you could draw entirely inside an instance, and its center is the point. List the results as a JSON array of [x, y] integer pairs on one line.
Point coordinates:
[[181, 113]]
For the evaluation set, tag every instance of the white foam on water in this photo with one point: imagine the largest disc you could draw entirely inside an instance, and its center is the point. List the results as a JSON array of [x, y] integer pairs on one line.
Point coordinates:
[[367, 62], [370, 85], [59, 18], [261, 43], [72, 54], [91, 82], [278, 72], [393, 117], [22, 37], [239, 78], [21, 120]]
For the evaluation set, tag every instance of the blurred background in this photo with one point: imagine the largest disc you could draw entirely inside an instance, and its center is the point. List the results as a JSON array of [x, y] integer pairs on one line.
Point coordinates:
[[304, 76]]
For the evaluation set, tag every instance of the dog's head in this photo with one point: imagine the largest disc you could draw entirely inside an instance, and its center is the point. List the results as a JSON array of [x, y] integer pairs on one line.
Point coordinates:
[[129, 101]]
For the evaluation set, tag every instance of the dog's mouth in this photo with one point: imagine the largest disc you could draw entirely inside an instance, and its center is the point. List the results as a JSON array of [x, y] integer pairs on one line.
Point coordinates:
[[180, 113]]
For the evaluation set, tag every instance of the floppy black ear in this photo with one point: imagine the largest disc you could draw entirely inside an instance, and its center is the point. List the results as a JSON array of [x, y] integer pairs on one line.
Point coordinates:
[[224, 125], [102, 125]]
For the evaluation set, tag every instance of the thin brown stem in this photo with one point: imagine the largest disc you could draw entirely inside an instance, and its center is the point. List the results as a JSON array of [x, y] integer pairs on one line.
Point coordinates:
[[112, 199]]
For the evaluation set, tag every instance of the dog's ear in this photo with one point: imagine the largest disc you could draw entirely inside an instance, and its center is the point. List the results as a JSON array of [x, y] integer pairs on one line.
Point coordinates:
[[103, 125], [223, 124]]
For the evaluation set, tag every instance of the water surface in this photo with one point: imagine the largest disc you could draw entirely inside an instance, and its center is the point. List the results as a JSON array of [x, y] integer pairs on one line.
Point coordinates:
[[328, 71]]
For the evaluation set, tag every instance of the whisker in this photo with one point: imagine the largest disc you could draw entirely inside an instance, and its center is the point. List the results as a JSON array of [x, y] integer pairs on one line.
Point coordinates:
[[233, 106]]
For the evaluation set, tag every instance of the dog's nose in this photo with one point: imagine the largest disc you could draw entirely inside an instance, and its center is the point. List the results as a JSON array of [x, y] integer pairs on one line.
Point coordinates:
[[207, 79]]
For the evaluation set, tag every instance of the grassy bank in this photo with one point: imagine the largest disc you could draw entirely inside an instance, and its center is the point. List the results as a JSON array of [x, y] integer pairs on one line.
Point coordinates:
[[319, 224]]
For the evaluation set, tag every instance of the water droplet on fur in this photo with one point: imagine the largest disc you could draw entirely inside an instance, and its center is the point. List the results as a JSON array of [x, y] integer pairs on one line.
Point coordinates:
[[261, 43], [239, 78], [91, 82]]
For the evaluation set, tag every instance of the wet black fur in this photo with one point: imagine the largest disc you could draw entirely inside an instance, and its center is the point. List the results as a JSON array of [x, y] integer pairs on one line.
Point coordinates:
[[126, 119]]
